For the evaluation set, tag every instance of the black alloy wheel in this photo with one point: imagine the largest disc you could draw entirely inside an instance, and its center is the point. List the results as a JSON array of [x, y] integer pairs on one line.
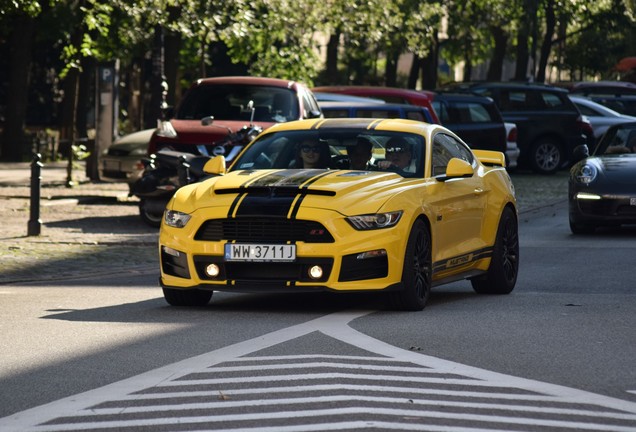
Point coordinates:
[[501, 276], [546, 156], [417, 271]]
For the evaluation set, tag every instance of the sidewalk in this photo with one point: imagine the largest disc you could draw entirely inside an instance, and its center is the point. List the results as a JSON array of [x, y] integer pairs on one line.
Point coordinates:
[[90, 228]]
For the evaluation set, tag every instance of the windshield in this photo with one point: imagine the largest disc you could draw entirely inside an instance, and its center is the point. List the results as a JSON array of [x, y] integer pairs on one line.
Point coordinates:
[[618, 140], [357, 149], [230, 102]]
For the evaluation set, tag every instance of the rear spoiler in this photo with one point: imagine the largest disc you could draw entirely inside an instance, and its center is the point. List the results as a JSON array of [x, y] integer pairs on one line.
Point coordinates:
[[491, 157]]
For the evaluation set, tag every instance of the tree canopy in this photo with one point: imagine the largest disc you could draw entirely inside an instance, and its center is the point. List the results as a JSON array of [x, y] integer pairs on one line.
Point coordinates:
[[49, 48]]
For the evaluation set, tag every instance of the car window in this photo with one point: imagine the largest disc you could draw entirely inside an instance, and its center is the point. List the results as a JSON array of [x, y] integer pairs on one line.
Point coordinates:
[[468, 112], [552, 100], [281, 150], [335, 113], [230, 102], [445, 147], [619, 141], [378, 113], [418, 115], [586, 110], [442, 112]]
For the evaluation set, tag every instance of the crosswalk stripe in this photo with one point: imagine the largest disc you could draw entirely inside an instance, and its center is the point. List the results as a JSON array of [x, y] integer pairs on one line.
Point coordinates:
[[346, 411], [360, 398], [503, 401]]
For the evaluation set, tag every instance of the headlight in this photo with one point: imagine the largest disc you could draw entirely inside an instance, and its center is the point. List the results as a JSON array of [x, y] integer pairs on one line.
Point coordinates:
[[165, 129], [375, 221], [176, 219], [586, 174]]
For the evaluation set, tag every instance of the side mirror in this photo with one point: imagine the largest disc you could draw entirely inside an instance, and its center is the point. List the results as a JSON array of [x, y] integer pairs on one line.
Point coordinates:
[[580, 152], [215, 166], [457, 168]]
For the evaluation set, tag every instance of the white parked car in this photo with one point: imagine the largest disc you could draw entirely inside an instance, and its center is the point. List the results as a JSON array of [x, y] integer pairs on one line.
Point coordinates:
[[600, 116], [122, 161], [512, 150]]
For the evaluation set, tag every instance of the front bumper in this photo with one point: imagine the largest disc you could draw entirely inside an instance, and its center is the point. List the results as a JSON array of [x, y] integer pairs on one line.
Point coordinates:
[[184, 261], [606, 210]]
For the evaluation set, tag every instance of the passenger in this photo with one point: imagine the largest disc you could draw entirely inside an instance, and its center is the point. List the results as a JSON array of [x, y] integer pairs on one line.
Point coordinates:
[[360, 154], [312, 153], [399, 157]]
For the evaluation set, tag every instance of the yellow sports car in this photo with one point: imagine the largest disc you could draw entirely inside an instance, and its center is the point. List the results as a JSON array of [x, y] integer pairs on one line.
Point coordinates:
[[338, 205]]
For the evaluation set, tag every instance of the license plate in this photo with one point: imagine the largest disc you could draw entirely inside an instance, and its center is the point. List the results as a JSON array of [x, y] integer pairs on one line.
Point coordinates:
[[632, 201], [259, 252]]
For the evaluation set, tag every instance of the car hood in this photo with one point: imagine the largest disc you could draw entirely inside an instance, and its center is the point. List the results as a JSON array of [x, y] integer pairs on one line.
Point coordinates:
[[192, 131], [277, 192], [619, 168]]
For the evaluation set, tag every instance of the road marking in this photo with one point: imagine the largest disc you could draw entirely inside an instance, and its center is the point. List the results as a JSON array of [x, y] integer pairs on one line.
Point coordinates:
[[391, 389]]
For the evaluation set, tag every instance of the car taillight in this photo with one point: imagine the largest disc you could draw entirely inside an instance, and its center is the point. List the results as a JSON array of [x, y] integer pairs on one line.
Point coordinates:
[[512, 135], [585, 125]]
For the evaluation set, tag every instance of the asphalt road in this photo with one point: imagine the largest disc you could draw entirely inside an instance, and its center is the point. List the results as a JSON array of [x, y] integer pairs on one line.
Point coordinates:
[[107, 353]]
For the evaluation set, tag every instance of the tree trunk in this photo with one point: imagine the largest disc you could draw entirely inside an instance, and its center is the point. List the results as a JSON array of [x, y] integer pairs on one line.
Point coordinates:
[[390, 69], [546, 45], [157, 77], [495, 68], [416, 66], [86, 81], [20, 43], [523, 36], [468, 62], [430, 65], [172, 46], [332, 75]]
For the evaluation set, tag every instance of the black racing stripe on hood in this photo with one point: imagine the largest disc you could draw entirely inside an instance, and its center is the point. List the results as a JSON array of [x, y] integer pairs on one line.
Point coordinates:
[[288, 178], [265, 205], [274, 194]]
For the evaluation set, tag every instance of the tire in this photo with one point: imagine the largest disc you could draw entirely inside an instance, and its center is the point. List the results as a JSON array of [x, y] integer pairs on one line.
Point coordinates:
[[417, 271], [501, 276], [149, 217], [187, 297], [580, 228], [546, 156]]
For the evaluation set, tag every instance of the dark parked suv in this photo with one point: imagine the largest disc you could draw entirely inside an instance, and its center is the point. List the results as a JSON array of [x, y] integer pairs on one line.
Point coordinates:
[[549, 125], [476, 119]]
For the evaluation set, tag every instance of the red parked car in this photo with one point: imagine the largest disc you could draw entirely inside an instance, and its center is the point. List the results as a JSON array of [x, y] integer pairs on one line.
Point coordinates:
[[387, 94], [227, 100]]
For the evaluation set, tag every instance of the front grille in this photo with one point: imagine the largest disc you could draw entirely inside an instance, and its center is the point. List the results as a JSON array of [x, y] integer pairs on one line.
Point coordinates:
[[263, 230]]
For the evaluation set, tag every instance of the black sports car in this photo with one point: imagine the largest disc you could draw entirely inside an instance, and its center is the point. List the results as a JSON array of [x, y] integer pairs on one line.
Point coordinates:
[[602, 186]]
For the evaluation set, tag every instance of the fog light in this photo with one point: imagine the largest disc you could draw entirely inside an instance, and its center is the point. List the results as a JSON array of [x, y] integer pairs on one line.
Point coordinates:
[[212, 270], [170, 251], [315, 272]]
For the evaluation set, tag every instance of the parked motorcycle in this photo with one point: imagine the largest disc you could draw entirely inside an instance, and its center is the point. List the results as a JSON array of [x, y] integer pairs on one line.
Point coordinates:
[[167, 170]]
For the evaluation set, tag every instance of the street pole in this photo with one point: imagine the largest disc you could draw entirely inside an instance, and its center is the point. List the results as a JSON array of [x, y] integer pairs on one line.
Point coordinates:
[[35, 224]]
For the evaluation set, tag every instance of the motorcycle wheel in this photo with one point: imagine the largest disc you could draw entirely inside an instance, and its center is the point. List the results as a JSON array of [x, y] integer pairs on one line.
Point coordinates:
[[150, 218]]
